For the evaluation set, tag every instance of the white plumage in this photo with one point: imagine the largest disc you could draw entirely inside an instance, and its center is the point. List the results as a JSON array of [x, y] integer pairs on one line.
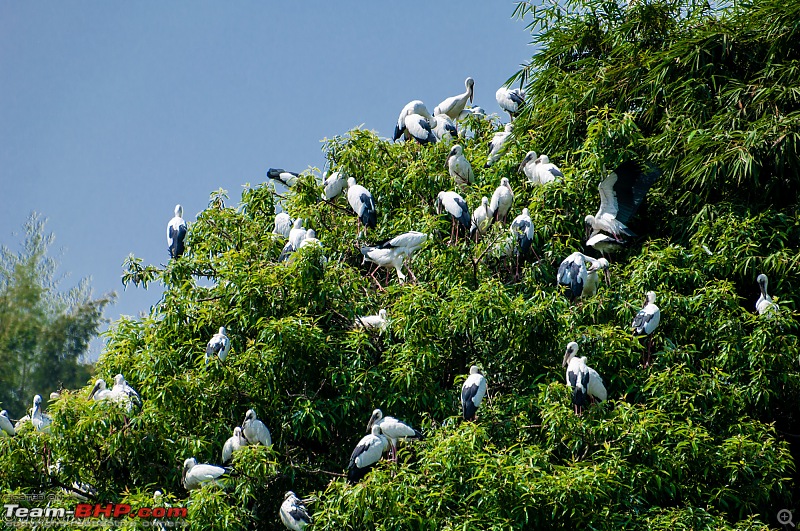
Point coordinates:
[[99, 391], [219, 345], [236, 442], [288, 178], [5, 424], [502, 199], [444, 129], [522, 228], [582, 282], [510, 100], [584, 381], [367, 452], [385, 257], [604, 243], [334, 184], [254, 430], [453, 105], [415, 107], [297, 234], [646, 321], [176, 233], [283, 224], [393, 429], [124, 394], [499, 144], [194, 475], [362, 203], [472, 392], [538, 169], [459, 167], [481, 219], [764, 303], [372, 322], [455, 205], [38, 418], [293, 512]]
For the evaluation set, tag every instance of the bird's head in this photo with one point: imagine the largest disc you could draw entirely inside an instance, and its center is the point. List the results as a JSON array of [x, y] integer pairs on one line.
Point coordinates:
[[222, 330], [376, 431], [382, 313], [543, 159], [509, 127], [531, 155], [650, 298], [119, 379], [288, 494], [37, 401], [474, 370], [351, 182], [188, 464], [179, 211], [469, 83], [762, 281], [237, 432], [250, 415], [376, 416], [572, 350], [439, 203], [504, 182], [99, 385], [4, 413], [588, 223]]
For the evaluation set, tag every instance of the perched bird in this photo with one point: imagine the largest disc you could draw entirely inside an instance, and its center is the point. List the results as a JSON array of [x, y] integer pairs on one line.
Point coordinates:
[[502, 199], [219, 345], [409, 242], [294, 514], [764, 303], [584, 381], [478, 112], [283, 224], [510, 100], [415, 107], [582, 282], [393, 429], [5, 424], [99, 391], [453, 105], [367, 452], [539, 170], [621, 194], [455, 205], [122, 393], [522, 229], [606, 244], [254, 430], [372, 322], [444, 129], [419, 128], [363, 204], [385, 257], [288, 178], [296, 236], [459, 167], [233, 443], [646, 321], [472, 392], [334, 184], [481, 219], [40, 420], [499, 144], [176, 233], [194, 475]]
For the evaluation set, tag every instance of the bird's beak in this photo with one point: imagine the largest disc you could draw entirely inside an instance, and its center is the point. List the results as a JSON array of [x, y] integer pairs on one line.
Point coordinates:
[[588, 228], [183, 476], [371, 422], [566, 357], [470, 96], [447, 161], [94, 390]]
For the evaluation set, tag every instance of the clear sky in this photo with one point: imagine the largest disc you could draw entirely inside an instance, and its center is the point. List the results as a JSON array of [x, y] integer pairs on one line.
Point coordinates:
[[113, 112]]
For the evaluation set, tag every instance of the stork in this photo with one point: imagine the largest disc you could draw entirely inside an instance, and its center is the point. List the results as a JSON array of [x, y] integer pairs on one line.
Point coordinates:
[[502, 199], [538, 169], [499, 144], [472, 392], [219, 345], [255, 431], [287, 178], [123, 393], [453, 105], [283, 224], [5, 424], [367, 452], [415, 107], [584, 381], [455, 205], [522, 229], [582, 282], [481, 219], [510, 100], [444, 129], [194, 476], [764, 304], [293, 512], [393, 429], [646, 321], [372, 322], [236, 442], [334, 184], [176, 233], [363, 205], [459, 167]]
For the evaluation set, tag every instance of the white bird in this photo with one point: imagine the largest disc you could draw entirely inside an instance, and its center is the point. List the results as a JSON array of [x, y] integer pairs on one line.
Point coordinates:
[[510, 100], [499, 144], [459, 167], [122, 393], [764, 303], [236, 442], [444, 129], [502, 199], [296, 236], [455, 205], [522, 229], [283, 224], [40, 420], [415, 107], [393, 429], [254, 430], [478, 112], [621, 194], [310, 239], [372, 322], [363, 204], [5, 424], [176, 233], [288, 178], [367, 452], [99, 391], [385, 257], [453, 105], [481, 219], [584, 381], [219, 345], [605, 244], [409, 242], [472, 392], [582, 282], [419, 128], [334, 184], [538, 169], [294, 514], [194, 475], [647, 320]]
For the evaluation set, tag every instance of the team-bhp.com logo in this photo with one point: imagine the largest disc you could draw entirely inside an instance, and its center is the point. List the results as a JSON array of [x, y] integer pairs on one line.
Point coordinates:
[[89, 513]]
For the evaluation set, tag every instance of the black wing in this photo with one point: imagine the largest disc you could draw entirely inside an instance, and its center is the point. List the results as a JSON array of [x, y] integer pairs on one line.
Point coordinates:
[[572, 271], [641, 320], [632, 185], [369, 216], [450, 128], [287, 250], [467, 395], [213, 348], [465, 219], [300, 514], [516, 98]]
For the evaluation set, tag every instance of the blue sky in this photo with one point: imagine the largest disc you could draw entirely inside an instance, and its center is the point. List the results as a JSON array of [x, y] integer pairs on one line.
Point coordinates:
[[113, 112]]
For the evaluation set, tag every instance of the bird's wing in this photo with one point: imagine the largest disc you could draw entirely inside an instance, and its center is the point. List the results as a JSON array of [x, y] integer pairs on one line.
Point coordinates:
[[287, 250], [418, 126], [207, 472], [299, 513], [640, 320], [608, 197], [633, 183], [215, 345]]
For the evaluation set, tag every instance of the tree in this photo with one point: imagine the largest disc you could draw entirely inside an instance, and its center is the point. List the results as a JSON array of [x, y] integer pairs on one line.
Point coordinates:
[[43, 331], [701, 439]]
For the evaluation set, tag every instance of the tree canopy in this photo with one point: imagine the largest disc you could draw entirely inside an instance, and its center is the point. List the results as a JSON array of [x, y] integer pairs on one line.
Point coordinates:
[[704, 438]]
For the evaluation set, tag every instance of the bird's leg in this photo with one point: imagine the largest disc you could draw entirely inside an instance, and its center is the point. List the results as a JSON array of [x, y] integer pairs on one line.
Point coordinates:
[[376, 280], [414, 278]]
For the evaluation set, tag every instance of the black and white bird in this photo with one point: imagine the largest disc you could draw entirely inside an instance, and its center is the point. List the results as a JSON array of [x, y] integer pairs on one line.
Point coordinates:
[[453, 105], [573, 273], [6, 427], [605, 244], [459, 167], [582, 379], [481, 219], [621, 194], [385, 257], [334, 184], [502, 199], [413, 108], [444, 129], [455, 205], [297, 234], [283, 224], [194, 476], [219, 345], [372, 322], [646, 321], [99, 391], [123, 393], [393, 429], [764, 304], [472, 392], [235, 442], [510, 100], [254, 430], [367, 452], [538, 169], [499, 143], [288, 178], [40, 420], [294, 514], [522, 229], [176, 233], [363, 204]]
